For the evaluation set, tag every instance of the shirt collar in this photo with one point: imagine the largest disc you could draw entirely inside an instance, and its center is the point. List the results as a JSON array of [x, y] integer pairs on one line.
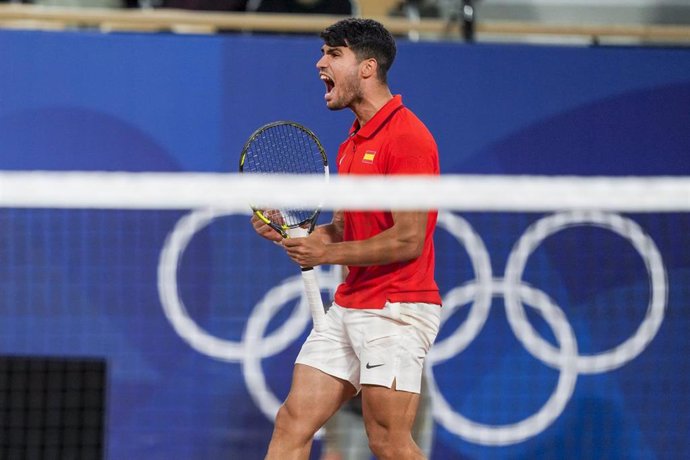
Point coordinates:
[[379, 118]]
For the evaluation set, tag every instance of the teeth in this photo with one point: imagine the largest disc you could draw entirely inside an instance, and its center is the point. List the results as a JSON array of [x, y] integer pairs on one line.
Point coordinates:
[[328, 81]]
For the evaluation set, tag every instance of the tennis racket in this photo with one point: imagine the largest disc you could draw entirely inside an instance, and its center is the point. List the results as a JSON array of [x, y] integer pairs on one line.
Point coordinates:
[[285, 147]]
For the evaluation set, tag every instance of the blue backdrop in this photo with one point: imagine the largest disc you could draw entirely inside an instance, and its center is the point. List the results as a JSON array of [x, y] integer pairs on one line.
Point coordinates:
[[86, 283]]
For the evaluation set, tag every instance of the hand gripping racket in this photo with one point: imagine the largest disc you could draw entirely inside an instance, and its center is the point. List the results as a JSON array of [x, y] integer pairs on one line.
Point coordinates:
[[285, 147]]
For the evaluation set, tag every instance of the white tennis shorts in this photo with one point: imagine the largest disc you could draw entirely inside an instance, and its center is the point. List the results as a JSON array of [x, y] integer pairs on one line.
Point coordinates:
[[375, 347]]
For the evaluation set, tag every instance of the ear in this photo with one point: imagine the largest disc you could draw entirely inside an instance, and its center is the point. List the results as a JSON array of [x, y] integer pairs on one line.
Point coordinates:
[[369, 67]]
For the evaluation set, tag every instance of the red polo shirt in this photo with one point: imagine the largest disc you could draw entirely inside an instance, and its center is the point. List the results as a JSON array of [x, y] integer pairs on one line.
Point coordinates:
[[393, 141]]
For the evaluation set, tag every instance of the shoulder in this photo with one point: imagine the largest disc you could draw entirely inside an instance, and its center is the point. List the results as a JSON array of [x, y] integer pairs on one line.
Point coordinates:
[[407, 129], [411, 146]]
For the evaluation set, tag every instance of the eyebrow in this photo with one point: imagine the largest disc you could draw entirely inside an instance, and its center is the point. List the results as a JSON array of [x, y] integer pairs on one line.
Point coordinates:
[[325, 49]]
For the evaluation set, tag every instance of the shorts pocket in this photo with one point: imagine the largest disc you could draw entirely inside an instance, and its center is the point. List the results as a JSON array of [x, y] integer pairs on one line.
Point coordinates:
[[380, 359]]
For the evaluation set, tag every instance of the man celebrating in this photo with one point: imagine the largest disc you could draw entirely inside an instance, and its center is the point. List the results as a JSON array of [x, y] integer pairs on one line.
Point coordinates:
[[387, 312]]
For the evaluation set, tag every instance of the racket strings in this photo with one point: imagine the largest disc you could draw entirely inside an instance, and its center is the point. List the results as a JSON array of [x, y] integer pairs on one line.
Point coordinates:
[[284, 149]]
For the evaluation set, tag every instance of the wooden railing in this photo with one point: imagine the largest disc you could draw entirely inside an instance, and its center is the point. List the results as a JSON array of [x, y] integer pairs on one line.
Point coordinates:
[[183, 21]]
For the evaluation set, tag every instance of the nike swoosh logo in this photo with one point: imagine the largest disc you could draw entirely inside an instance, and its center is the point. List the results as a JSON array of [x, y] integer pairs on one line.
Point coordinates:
[[369, 366]]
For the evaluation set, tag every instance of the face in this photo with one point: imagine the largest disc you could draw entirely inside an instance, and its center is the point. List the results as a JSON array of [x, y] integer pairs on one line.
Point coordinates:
[[339, 70]]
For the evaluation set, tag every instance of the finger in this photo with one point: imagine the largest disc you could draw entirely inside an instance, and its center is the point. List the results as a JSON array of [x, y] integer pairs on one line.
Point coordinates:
[[272, 235], [265, 230], [257, 223], [293, 242], [292, 251]]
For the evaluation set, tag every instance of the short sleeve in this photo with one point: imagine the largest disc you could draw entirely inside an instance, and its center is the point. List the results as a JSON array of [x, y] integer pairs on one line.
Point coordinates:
[[413, 153]]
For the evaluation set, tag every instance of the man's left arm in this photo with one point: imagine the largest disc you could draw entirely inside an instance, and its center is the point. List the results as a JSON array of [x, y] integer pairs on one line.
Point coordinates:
[[403, 241]]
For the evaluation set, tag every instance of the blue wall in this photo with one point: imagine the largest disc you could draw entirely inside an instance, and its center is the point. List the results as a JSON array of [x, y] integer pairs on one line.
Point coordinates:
[[85, 282]]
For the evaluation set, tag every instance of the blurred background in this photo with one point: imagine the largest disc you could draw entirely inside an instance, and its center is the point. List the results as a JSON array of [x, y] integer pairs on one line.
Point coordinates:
[[547, 12], [164, 332], [571, 11]]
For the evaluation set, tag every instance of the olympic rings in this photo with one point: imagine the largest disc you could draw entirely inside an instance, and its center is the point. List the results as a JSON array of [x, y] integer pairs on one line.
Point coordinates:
[[535, 424], [253, 346], [481, 289], [618, 356], [184, 325]]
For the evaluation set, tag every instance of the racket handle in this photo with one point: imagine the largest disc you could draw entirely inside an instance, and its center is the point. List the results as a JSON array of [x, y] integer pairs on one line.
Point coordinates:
[[313, 294], [311, 287], [297, 232]]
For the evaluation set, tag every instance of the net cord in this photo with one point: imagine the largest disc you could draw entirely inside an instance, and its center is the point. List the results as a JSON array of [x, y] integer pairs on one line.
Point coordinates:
[[232, 192]]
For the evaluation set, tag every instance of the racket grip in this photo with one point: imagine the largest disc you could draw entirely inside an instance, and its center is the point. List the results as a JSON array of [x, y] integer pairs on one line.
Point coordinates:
[[313, 294], [297, 232], [311, 287]]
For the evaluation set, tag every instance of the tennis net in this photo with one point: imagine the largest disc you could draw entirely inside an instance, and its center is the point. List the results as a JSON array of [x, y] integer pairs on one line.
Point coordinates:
[[564, 326]]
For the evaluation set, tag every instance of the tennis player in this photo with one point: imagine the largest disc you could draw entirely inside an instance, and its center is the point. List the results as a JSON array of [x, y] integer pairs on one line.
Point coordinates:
[[386, 313]]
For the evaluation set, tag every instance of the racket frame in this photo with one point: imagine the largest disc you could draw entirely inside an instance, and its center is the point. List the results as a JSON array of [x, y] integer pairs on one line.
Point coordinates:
[[312, 291], [310, 221]]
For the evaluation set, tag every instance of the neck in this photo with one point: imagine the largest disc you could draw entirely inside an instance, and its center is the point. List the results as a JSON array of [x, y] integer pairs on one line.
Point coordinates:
[[370, 103]]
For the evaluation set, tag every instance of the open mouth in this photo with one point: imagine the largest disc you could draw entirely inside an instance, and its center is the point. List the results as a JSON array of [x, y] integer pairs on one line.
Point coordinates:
[[328, 81]]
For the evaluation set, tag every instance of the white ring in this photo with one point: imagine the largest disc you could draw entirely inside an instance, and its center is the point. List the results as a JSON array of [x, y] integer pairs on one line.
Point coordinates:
[[176, 312], [634, 345], [480, 287], [500, 435], [253, 340]]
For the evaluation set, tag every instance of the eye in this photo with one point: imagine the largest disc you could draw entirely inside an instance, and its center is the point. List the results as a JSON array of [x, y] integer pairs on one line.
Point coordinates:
[[334, 52]]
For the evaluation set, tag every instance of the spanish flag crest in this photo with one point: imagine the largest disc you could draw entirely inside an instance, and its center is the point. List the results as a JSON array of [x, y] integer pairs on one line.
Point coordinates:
[[368, 157]]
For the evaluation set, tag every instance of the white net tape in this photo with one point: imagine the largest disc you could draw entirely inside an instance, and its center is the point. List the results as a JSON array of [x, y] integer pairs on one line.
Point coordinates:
[[120, 190]]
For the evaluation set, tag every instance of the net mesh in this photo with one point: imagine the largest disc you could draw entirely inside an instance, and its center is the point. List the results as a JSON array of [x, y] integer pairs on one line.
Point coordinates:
[[564, 328]]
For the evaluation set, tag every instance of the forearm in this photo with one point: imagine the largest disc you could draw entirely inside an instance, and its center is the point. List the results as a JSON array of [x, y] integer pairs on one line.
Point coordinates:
[[328, 233], [403, 241], [400, 243]]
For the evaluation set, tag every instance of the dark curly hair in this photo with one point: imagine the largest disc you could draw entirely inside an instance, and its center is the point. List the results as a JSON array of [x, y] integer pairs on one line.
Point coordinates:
[[366, 38]]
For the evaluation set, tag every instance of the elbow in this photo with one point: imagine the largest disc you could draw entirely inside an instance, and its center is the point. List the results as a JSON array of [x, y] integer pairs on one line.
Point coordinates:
[[418, 250], [410, 230], [411, 250]]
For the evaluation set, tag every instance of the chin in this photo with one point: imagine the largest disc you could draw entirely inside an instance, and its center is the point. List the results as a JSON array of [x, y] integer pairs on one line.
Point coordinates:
[[334, 106]]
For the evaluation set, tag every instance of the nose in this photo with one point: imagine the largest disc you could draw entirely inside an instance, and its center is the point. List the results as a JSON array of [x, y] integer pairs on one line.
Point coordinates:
[[321, 63]]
